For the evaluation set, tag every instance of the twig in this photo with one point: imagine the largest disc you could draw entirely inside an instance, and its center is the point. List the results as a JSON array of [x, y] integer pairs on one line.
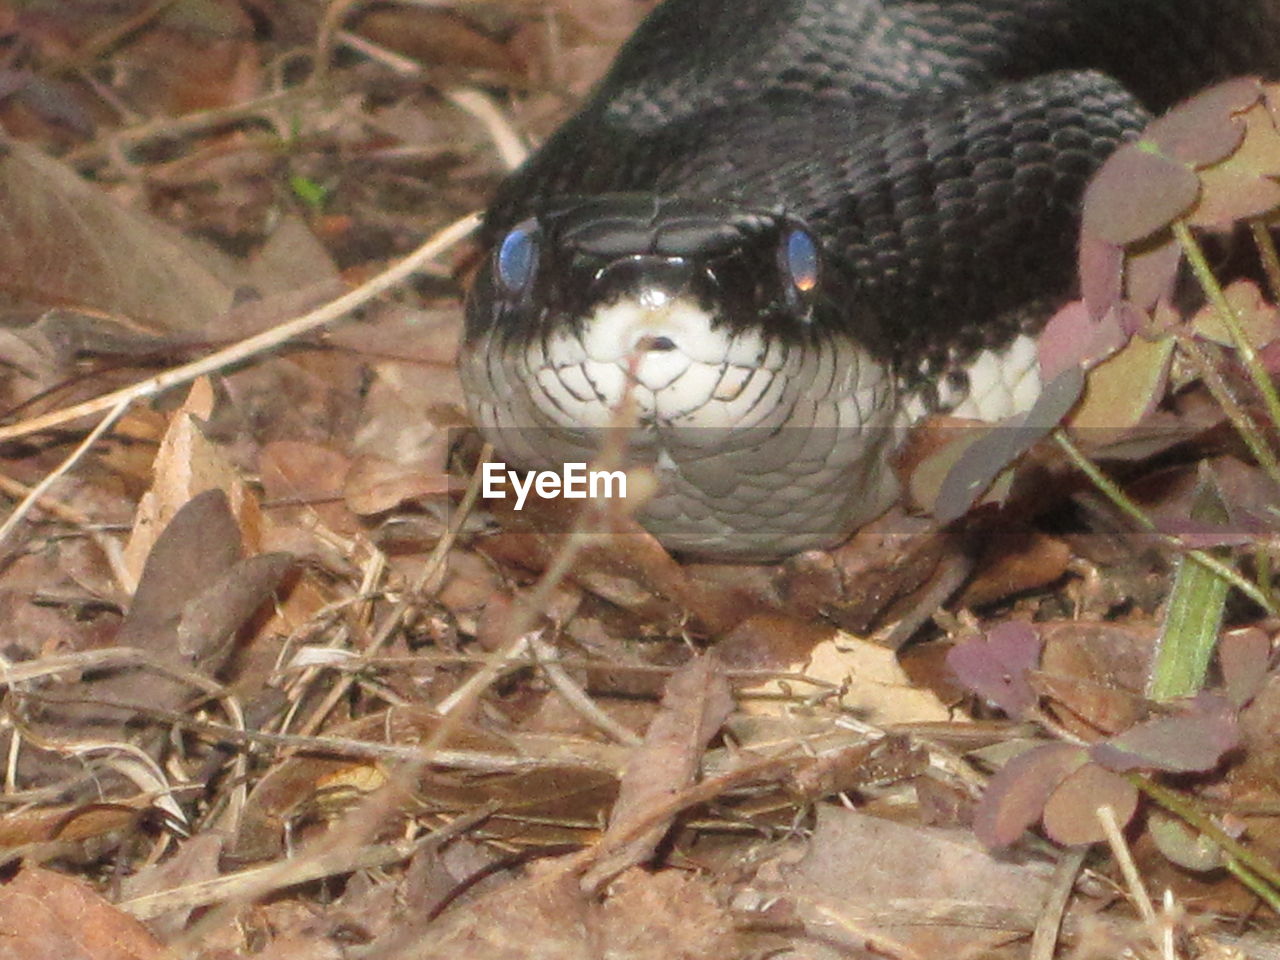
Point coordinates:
[[509, 144], [247, 885], [109, 38], [67, 514], [41, 488], [1124, 857], [427, 583], [577, 698], [1049, 924], [1232, 407]]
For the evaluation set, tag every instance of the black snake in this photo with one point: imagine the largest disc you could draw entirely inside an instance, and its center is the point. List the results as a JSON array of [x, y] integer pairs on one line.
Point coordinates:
[[786, 229]]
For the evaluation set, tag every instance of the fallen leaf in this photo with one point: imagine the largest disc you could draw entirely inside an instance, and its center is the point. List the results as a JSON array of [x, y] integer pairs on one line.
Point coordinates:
[[1015, 797], [1071, 811], [929, 890], [995, 665], [695, 704], [187, 464], [871, 681], [147, 274], [46, 916]]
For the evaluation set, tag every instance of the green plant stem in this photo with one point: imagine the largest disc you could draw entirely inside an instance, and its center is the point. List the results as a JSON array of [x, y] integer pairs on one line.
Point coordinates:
[[1267, 253], [1189, 633], [1231, 406], [1263, 560], [1100, 480], [1182, 806], [1261, 890], [1257, 373], [1193, 617], [1127, 506]]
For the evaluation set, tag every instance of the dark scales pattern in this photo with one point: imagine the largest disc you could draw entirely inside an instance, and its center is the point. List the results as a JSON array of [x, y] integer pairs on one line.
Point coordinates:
[[938, 149]]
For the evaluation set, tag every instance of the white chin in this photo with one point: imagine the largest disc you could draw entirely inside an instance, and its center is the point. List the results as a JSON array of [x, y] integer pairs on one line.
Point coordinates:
[[761, 449]]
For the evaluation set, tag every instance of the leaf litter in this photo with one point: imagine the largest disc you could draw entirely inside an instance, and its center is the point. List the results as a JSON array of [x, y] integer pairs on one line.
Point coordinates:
[[276, 685]]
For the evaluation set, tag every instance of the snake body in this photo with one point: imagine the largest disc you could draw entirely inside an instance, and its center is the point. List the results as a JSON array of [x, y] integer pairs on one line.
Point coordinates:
[[783, 230]]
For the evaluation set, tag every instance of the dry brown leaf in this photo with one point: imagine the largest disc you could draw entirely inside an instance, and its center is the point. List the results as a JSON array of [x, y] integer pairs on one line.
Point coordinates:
[[194, 595], [1095, 674], [886, 567], [872, 683], [199, 543], [546, 805], [626, 566], [186, 464], [46, 916], [306, 480], [440, 38], [665, 915], [545, 916], [414, 398], [196, 860], [932, 891], [697, 701], [63, 827], [374, 485], [64, 242], [771, 641], [292, 260], [1015, 559]]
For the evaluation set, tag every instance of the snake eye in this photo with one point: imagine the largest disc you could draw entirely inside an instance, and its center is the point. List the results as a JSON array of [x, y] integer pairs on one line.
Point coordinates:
[[517, 258], [798, 255]]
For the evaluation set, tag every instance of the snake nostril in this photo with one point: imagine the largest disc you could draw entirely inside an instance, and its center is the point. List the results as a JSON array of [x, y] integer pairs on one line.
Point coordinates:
[[657, 344]]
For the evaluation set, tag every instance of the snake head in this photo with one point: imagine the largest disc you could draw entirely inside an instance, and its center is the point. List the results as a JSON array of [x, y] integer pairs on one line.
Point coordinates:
[[718, 328]]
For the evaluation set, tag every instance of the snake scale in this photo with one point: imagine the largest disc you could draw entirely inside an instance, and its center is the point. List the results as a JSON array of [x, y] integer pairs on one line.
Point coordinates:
[[784, 230]]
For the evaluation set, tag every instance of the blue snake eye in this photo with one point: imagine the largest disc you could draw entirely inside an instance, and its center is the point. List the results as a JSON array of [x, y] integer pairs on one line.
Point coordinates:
[[517, 258], [799, 256]]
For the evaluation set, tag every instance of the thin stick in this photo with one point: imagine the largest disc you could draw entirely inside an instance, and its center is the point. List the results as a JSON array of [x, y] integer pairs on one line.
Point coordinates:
[[1239, 417], [1137, 889], [69, 515], [41, 488], [236, 889], [109, 38], [546, 657], [506, 140], [428, 582], [1049, 924]]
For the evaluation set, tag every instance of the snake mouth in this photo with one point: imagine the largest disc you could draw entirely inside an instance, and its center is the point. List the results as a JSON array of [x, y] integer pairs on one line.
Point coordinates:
[[660, 352]]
